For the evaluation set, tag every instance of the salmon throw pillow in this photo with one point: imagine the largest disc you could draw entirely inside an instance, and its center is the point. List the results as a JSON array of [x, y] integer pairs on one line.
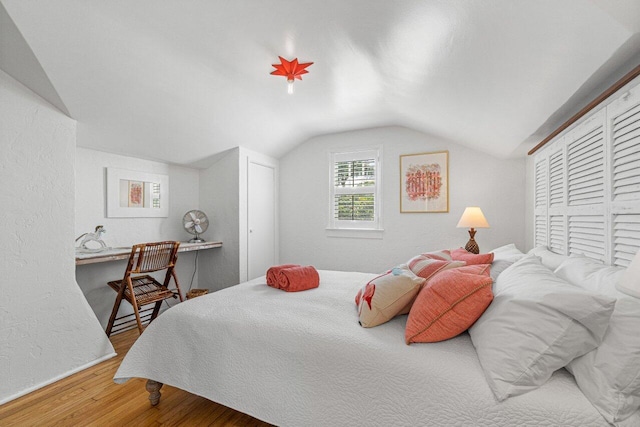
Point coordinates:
[[385, 297], [449, 304], [426, 266], [462, 254]]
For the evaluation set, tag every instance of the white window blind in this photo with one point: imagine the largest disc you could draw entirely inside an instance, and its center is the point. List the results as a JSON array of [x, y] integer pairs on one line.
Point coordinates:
[[626, 155], [355, 189]]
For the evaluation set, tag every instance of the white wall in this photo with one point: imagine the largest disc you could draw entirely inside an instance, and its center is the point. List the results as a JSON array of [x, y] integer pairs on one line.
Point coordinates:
[[476, 179], [91, 207], [47, 329], [90, 211]]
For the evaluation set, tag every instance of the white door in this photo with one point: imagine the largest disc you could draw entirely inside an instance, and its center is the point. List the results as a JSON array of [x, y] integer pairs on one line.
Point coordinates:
[[261, 205]]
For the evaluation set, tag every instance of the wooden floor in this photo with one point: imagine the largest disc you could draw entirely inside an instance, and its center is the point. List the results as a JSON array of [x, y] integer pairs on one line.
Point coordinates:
[[91, 398]]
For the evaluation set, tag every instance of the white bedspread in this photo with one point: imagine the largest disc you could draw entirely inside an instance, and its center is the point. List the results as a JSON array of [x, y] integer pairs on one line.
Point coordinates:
[[301, 359]]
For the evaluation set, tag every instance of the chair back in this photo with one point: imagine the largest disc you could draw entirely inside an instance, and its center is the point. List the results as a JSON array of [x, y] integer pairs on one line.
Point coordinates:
[[148, 257]]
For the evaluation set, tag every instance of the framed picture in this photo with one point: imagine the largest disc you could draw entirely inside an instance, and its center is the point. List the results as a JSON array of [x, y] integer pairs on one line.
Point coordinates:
[[132, 194], [424, 182]]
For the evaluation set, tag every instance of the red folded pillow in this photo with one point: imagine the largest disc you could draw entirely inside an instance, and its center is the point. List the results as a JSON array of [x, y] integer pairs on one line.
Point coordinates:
[[462, 254], [295, 279]]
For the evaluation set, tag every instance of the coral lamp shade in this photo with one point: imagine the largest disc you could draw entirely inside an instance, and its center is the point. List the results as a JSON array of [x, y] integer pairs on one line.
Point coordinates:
[[473, 217]]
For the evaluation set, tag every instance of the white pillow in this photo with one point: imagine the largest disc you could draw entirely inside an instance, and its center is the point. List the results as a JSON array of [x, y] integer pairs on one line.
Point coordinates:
[[508, 253], [498, 266], [630, 282], [536, 324], [590, 274], [551, 260], [609, 375]]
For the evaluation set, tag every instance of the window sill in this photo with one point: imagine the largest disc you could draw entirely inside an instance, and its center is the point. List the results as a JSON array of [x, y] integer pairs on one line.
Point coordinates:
[[356, 233]]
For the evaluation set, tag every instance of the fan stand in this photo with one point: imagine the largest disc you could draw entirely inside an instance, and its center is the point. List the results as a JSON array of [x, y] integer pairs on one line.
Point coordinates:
[[196, 239]]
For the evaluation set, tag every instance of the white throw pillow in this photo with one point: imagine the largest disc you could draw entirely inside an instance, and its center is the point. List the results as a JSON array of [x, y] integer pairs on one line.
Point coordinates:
[[609, 375], [508, 253], [536, 324], [551, 260]]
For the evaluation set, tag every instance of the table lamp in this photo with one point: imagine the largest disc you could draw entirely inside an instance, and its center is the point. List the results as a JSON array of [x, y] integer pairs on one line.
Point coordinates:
[[472, 218]]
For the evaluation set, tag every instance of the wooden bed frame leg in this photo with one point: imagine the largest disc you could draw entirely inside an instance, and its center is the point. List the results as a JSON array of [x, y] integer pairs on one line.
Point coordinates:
[[153, 387]]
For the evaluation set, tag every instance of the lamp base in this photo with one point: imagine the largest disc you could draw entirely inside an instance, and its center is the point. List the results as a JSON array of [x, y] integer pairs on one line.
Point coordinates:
[[471, 245]]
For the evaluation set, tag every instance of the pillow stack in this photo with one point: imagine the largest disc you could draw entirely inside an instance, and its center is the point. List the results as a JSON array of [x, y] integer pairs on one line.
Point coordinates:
[[537, 324], [609, 376], [443, 292]]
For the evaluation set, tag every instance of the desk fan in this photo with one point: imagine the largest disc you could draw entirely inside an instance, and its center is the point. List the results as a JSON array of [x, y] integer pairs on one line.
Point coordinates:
[[196, 223]]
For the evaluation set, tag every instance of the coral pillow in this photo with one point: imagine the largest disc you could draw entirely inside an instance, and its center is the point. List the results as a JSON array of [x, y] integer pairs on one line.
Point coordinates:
[[444, 255], [386, 296], [481, 269], [461, 254], [425, 266], [448, 305]]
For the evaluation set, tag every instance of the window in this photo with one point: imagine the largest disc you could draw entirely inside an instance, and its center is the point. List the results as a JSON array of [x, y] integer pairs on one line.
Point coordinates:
[[355, 190]]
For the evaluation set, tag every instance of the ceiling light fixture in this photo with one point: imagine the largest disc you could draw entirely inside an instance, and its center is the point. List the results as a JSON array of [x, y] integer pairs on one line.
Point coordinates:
[[291, 70]]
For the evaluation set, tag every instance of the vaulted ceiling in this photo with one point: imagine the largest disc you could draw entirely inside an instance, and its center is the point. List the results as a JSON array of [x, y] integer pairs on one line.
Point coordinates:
[[181, 81]]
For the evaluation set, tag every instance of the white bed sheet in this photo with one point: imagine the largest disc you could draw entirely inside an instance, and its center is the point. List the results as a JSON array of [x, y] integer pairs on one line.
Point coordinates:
[[295, 359]]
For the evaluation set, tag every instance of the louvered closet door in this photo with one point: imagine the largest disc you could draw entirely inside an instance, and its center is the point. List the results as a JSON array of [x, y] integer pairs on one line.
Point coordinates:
[[624, 119], [540, 202], [540, 230], [587, 236], [626, 155], [586, 224], [556, 179], [587, 184], [626, 238], [557, 233], [557, 219], [585, 167]]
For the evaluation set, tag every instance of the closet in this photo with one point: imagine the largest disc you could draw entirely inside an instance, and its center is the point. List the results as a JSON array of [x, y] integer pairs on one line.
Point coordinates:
[[587, 183]]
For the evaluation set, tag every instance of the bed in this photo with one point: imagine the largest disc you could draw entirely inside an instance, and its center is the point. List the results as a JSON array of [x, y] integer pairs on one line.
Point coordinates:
[[294, 359]]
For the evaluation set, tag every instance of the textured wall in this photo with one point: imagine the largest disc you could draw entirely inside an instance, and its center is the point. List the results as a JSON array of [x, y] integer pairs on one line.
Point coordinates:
[[47, 329], [476, 179]]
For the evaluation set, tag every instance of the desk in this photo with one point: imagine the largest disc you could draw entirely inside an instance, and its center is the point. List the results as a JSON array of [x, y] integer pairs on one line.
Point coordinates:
[[115, 254]]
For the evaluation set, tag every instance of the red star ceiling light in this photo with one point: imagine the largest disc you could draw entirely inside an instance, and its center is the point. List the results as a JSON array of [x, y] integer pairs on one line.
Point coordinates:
[[291, 70]]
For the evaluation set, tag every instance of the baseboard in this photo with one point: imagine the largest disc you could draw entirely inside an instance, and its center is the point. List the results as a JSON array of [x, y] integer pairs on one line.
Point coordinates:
[[58, 378]]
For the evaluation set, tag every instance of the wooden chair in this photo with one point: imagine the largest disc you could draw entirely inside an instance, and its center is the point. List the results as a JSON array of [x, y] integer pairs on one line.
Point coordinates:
[[144, 290]]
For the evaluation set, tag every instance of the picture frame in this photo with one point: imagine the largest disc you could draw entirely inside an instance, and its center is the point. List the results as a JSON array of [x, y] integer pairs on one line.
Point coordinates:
[[424, 182], [136, 194]]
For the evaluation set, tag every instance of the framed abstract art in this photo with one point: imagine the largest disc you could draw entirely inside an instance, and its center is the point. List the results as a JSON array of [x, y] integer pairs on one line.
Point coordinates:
[[424, 182], [136, 194]]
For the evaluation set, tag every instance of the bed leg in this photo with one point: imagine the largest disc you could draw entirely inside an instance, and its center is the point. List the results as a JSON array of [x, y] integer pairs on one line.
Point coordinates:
[[153, 387]]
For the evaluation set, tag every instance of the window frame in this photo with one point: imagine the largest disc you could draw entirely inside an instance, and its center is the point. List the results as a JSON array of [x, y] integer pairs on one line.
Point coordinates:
[[356, 228]]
